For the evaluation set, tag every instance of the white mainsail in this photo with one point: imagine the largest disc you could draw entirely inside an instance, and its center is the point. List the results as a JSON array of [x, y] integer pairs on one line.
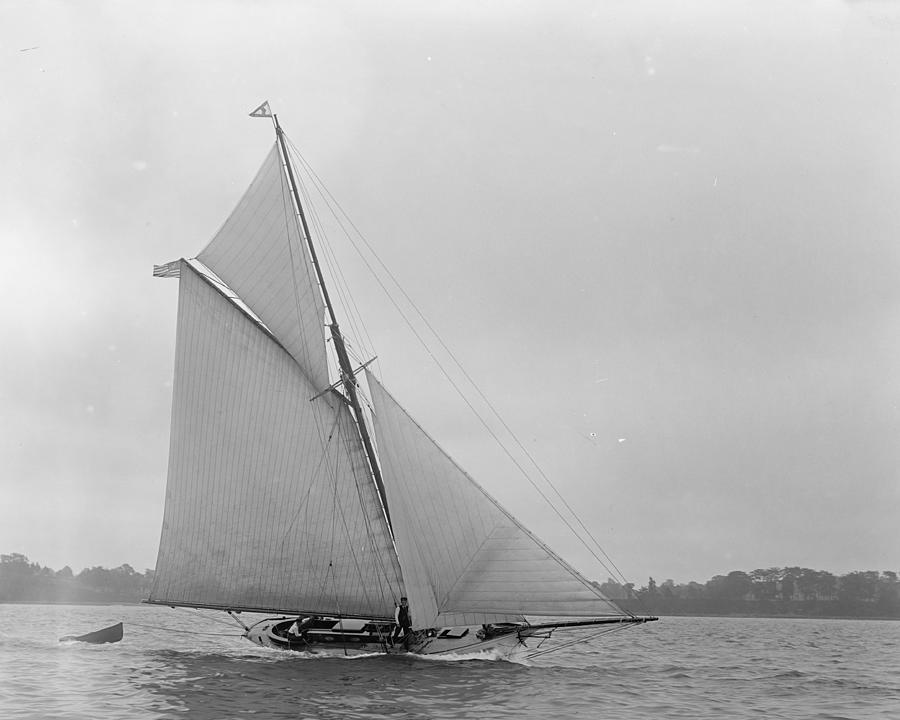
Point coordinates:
[[466, 560], [260, 254], [269, 501]]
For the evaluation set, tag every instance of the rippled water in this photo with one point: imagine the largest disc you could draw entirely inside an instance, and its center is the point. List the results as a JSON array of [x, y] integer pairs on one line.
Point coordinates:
[[676, 668]]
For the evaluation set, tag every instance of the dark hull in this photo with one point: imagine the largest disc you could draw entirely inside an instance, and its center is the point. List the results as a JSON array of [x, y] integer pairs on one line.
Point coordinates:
[[107, 635]]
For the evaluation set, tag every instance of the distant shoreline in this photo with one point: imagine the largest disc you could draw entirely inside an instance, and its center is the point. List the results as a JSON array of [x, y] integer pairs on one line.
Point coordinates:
[[789, 592]]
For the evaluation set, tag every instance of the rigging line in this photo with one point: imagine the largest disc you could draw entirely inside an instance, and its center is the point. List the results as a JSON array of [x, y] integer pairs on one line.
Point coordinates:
[[331, 566], [205, 617], [350, 307], [332, 476], [351, 351], [356, 564], [182, 632], [338, 281], [326, 251], [375, 551], [324, 190], [287, 226], [334, 504], [639, 601], [487, 427], [578, 641], [314, 474], [367, 406], [354, 314], [317, 410], [306, 265], [330, 471]]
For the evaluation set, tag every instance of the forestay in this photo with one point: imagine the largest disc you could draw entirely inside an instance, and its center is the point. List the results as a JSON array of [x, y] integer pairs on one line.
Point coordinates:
[[465, 559], [260, 254], [269, 504]]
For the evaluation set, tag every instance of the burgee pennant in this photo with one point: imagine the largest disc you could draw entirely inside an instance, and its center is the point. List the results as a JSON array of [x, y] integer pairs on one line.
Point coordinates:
[[262, 111]]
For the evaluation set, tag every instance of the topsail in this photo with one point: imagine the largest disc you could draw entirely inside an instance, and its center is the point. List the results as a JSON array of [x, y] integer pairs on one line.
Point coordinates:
[[261, 255]]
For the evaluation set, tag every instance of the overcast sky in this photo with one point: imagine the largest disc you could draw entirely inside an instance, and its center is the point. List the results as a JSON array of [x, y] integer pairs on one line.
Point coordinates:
[[663, 238]]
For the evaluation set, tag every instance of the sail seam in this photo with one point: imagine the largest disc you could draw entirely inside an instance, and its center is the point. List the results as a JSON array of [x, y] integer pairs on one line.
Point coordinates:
[[446, 598]]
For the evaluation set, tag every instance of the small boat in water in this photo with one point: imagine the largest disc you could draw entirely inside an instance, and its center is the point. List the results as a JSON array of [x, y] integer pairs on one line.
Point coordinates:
[[110, 634], [298, 485]]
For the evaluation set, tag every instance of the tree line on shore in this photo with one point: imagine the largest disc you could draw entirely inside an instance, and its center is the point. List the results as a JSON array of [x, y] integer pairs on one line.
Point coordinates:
[[788, 591], [778, 591], [25, 581]]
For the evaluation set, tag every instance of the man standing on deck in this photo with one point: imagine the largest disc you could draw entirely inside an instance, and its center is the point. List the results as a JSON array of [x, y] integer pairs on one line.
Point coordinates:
[[403, 622]]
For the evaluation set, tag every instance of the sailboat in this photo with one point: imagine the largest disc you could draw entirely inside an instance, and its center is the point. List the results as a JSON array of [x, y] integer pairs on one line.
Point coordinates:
[[286, 495]]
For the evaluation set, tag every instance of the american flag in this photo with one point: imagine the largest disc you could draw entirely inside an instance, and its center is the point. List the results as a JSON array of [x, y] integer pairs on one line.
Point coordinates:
[[170, 269]]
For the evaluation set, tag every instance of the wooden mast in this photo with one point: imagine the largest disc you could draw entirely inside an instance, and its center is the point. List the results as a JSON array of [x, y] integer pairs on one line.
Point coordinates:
[[344, 364]]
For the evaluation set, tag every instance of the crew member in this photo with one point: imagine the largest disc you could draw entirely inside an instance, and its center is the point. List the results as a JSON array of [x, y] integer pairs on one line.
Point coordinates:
[[300, 626], [403, 622]]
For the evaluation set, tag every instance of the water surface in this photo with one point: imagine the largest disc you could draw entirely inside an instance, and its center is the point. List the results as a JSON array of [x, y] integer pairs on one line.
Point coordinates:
[[181, 663]]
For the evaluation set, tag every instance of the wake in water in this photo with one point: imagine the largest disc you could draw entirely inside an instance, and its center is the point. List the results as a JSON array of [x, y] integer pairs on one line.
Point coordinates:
[[517, 655]]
